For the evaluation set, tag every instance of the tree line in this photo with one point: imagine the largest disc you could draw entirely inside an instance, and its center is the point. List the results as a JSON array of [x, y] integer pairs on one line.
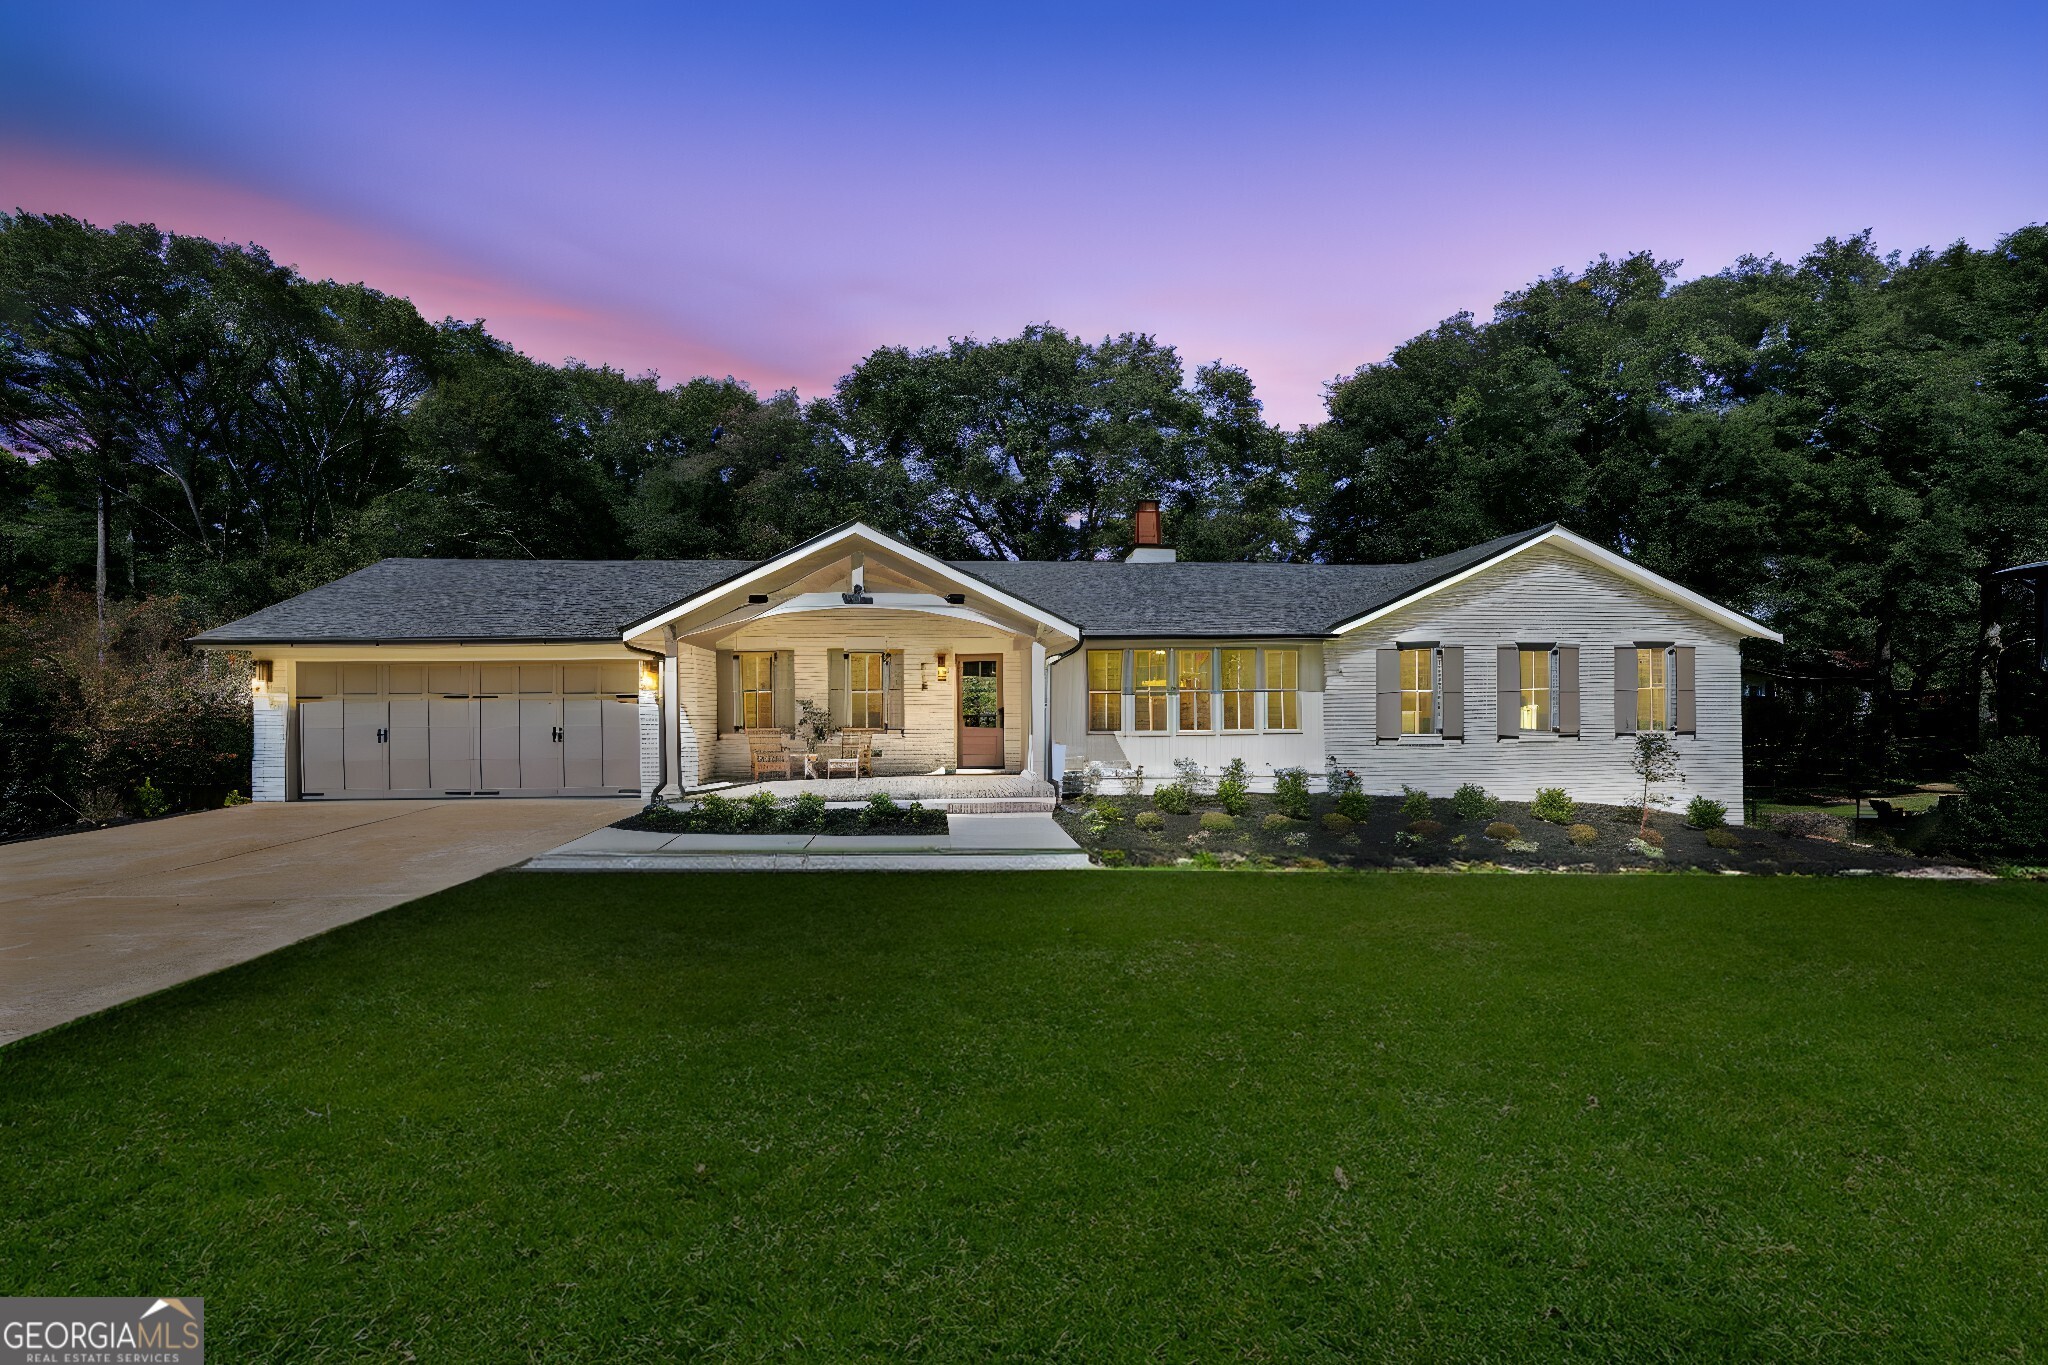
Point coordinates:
[[1847, 446]]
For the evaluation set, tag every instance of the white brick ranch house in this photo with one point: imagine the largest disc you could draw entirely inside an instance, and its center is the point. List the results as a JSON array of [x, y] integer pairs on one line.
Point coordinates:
[[1525, 662]]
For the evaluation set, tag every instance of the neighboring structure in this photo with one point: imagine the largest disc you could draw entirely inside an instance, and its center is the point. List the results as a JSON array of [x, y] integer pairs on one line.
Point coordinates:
[[1527, 661]]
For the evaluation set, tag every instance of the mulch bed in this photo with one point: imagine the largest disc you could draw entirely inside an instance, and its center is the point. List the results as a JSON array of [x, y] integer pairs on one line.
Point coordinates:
[[1463, 844]]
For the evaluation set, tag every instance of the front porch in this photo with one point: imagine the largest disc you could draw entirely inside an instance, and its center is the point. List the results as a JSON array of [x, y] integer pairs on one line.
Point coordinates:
[[956, 793]]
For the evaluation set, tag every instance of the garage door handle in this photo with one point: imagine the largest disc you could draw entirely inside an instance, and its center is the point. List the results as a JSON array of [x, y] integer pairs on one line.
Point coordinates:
[[558, 734], [383, 736]]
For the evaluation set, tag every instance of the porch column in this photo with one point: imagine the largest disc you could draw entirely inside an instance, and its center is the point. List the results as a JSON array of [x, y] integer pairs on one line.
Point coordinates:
[[1035, 728], [671, 722]]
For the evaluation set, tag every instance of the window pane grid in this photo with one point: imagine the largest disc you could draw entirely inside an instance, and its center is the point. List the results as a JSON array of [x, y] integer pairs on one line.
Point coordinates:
[[1535, 689], [864, 691], [1653, 695], [1418, 692], [1283, 689], [1148, 683], [1105, 689], [1239, 678], [1195, 681], [757, 691]]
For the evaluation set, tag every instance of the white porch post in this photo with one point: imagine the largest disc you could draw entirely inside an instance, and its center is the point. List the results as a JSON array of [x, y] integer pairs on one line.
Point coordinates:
[[671, 722], [1035, 729]]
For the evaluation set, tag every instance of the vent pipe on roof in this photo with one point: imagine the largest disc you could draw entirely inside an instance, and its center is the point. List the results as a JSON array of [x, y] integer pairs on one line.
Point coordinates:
[[1145, 546]]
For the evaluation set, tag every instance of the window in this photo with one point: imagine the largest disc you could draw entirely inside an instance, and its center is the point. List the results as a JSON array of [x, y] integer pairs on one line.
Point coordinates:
[[1240, 697], [1418, 691], [1283, 689], [1105, 690], [864, 691], [1653, 689], [1148, 684], [1196, 680], [757, 691], [1538, 685]]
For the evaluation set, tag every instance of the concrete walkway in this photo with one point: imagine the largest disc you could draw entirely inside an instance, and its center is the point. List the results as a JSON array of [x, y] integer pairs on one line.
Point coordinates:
[[973, 843], [90, 920]]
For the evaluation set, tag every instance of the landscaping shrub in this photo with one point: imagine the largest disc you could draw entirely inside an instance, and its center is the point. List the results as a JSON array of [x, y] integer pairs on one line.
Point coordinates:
[[1095, 822], [1275, 821], [1808, 824], [1415, 803], [1426, 828], [1311, 864], [1652, 838], [1520, 845], [880, 809], [1583, 835], [1150, 819], [1354, 805], [763, 814], [1503, 831], [1192, 775], [1217, 820], [1471, 802], [1290, 792], [151, 800], [1553, 805], [1172, 798], [1234, 789], [1337, 822], [1703, 813], [1644, 848], [806, 814], [1112, 857], [1723, 838], [717, 814], [2004, 809], [1205, 860], [1110, 811]]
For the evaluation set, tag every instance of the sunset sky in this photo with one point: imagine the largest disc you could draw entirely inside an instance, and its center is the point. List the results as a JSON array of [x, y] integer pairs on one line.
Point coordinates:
[[770, 194]]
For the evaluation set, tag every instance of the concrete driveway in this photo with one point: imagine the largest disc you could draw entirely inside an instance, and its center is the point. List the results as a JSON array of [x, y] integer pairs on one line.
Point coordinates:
[[89, 920]]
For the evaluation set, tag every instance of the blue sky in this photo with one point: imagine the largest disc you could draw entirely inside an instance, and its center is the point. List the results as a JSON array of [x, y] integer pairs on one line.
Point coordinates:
[[771, 194]]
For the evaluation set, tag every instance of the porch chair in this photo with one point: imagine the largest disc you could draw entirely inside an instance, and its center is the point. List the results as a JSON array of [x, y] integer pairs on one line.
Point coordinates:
[[855, 757], [769, 752]]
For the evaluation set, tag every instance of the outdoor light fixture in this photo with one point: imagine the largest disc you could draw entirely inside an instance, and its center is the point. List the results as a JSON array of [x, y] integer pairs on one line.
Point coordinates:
[[650, 675], [259, 674], [958, 599], [940, 660], [757, 599]]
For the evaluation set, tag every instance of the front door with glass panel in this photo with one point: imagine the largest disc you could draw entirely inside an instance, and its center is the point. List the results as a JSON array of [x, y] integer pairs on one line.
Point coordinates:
[[981, 711]]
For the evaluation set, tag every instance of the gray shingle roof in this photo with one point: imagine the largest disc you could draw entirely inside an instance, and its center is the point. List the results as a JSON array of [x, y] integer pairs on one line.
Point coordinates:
[[523, 600], [531, 601], [1108, 597]]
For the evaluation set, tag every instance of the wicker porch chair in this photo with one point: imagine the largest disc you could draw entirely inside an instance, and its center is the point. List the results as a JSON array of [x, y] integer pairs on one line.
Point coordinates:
[[769, 751]]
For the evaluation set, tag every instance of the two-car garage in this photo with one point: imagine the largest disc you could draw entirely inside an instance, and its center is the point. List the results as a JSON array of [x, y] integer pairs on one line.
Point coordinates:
[[468, 729]]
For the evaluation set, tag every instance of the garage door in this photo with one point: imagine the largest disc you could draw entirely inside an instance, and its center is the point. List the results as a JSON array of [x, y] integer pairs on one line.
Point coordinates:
[[432, 729]]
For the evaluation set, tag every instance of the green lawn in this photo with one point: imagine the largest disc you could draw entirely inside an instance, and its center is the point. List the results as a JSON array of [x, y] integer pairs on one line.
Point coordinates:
[[1082, 1116]]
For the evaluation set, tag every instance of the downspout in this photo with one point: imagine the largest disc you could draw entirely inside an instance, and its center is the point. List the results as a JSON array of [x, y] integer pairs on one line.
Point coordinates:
[[1045, 720]]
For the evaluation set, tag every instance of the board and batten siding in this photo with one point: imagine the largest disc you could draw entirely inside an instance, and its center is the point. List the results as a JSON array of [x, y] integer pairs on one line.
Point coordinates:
[[929, 740], [1155, 752], [1542, 596]]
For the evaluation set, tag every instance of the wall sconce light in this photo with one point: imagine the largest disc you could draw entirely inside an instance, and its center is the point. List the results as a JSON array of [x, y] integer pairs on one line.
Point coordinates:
[[259, 675], [940, 660], [650, 675]]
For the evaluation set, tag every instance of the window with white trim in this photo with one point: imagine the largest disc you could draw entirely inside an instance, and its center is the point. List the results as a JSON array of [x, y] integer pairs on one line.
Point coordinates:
[[1240, 681], [1418, 691], [1283, 689], [1105, 691], [866, 691], [1538, 685], [757, 691], [1653, 689], [1195, 680], [1148, 688]]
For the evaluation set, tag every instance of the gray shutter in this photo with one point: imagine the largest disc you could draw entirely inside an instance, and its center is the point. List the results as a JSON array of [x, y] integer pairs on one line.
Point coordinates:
[[1387, 681], [1507, 692], [1566, 702], [1453, 681], [1624, 690], [728, 691], [892, 694], [785, 689], [835, 673], [1682, 698]]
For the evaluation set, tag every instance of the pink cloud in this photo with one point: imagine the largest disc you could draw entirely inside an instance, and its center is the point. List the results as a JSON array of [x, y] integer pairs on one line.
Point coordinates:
[[322, 246]]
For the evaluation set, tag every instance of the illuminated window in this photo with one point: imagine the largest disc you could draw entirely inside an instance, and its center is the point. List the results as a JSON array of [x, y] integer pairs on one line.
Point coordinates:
[[1418, 691], [1196, 681], [1283, 689], [1240, 697], [1105, 690], [1536, 688], [864, 691], [1653, 689], [1148, 687], [757, 691]]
